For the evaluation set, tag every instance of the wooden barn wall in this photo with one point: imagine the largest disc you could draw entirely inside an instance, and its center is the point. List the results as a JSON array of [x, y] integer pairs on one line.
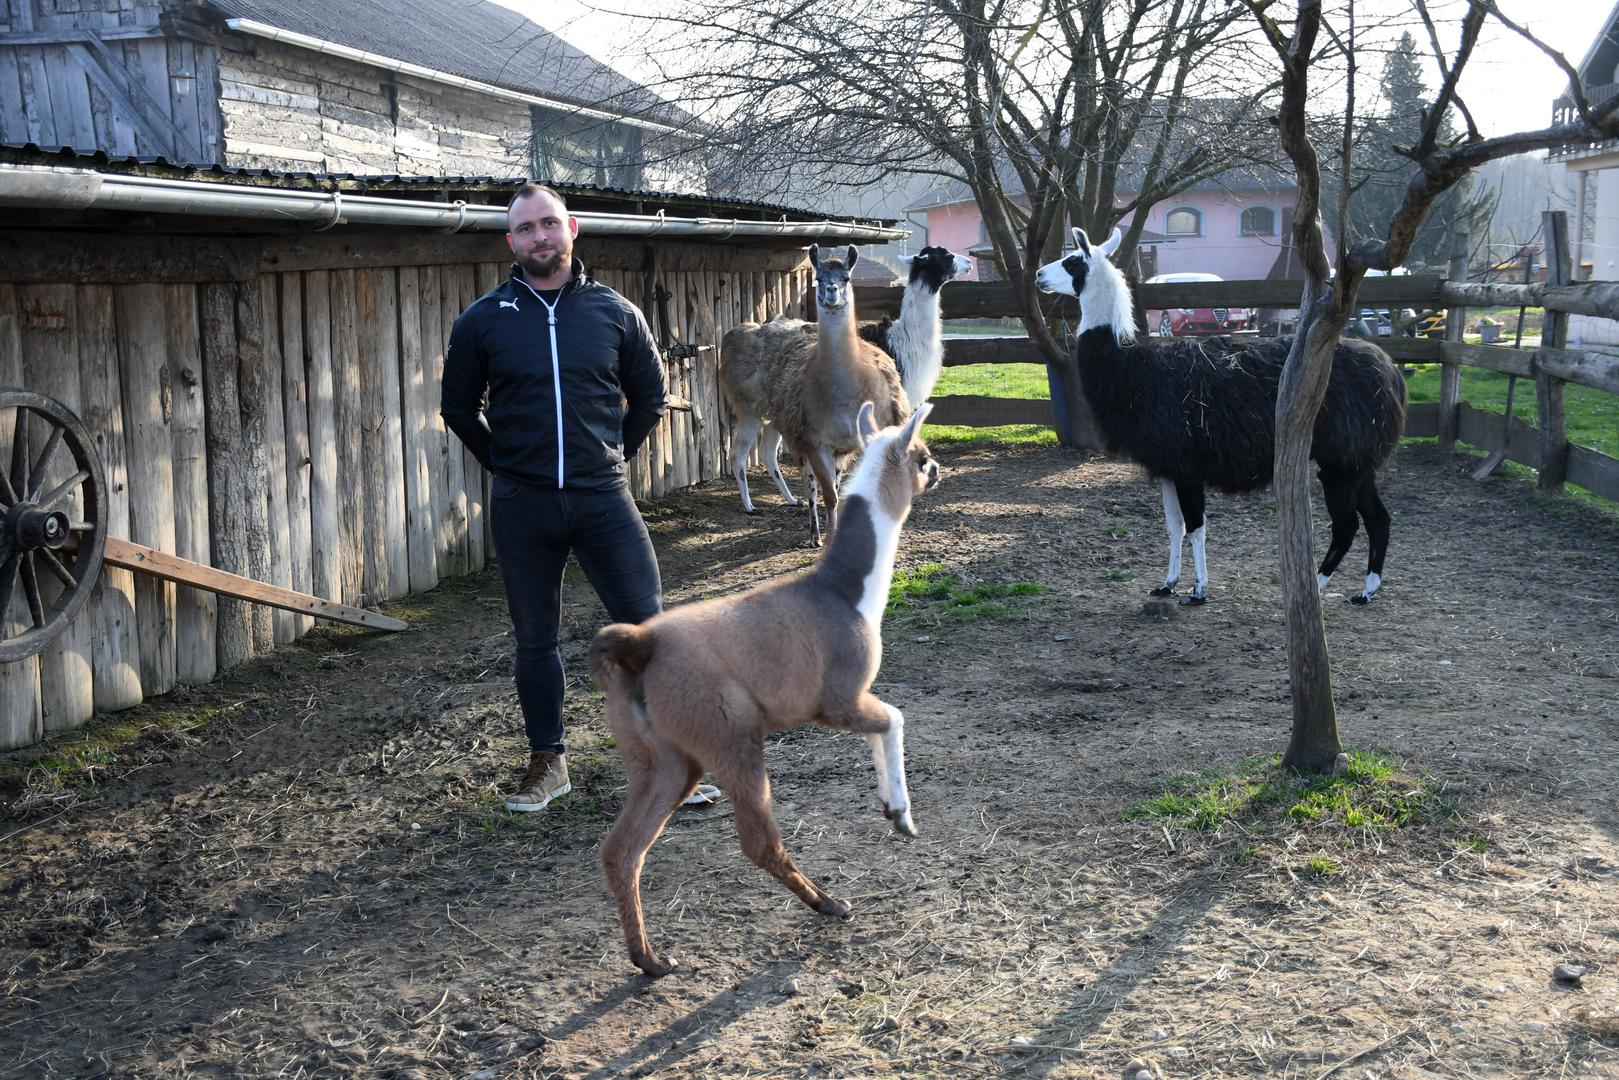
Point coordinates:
[[281, 421], [289, 108], [100, 75]]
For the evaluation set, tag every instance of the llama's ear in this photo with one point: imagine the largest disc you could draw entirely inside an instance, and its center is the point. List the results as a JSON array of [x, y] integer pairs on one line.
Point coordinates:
[[815, 256], [854, 256], [865, 424], [914, 424], [1081, 241], [1112, 243]]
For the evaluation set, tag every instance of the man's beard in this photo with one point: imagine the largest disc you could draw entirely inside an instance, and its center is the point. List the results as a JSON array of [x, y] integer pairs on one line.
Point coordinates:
[[536, 266]]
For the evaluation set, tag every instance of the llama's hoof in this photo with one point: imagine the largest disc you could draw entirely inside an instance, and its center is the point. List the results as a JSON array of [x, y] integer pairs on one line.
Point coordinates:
[[831, 905], [654, 968], [1164, 590], [1193, 600], [902, 822], [751, 511], [1362, 600]]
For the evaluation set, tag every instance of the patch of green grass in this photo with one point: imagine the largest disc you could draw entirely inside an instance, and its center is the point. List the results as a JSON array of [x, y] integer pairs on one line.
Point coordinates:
[[939, 435], [1026, 381], [934, 587], [1119, 574], [1591, 417], [1268, 803], [1320, 866]]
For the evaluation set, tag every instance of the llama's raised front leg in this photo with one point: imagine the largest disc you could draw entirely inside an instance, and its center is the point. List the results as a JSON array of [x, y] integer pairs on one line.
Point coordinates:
[[884, 728], [770, 451], [742, 443], [745, 781], [1191, 497], [1377, 519], [1175, 525], [658, 782]]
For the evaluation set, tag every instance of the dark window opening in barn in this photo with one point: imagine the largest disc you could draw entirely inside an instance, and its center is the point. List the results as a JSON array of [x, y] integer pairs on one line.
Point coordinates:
[[1183, 221], [1259, 221], [585, 150]]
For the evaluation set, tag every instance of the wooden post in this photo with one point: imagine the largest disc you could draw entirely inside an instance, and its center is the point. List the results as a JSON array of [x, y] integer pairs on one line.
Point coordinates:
[[257, 402], [115, 645], [435, 333], [148, 430], [1450, 375], [21, 720], [196, 611], [346, 399], [372, 482], [1554, 335], [274, 423], [296, 457], [325, 547], [49, 322], [229, 468], [415, 408], [455, 462]]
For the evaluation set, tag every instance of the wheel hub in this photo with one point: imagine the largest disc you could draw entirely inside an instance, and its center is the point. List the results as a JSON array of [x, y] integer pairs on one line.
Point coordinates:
[[29, 527]]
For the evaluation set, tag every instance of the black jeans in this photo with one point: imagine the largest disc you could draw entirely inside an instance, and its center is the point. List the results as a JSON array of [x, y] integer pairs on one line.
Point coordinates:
[[534, 530]]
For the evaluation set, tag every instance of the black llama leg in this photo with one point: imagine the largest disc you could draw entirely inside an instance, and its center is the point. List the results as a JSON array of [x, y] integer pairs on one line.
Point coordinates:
[[1377, 519], [1191, 496], [1342, 491]]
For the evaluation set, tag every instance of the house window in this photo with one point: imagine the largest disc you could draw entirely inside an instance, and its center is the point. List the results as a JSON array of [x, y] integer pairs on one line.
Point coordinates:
[[575, 150], [1259, 221], [1183, 222]]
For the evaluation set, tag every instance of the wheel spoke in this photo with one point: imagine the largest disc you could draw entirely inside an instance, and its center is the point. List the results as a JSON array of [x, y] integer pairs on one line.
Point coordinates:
[[62, 490], [19, 451], [8, 495], [55, 566], [45, 455], [30, 585], [8, 581]]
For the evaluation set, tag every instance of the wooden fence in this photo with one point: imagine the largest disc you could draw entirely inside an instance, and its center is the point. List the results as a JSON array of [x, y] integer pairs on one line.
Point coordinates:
[[270, 407], [1551, 365]]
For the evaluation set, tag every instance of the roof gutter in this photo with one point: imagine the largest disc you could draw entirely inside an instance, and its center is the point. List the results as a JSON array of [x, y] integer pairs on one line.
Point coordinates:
[[388, 63], [80, 189]]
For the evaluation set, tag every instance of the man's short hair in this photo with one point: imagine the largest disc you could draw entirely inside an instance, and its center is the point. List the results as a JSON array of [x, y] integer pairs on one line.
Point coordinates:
[[530, 189]]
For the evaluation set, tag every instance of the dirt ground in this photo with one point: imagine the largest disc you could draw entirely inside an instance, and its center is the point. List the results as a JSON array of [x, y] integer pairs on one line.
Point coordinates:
[[306, 870]]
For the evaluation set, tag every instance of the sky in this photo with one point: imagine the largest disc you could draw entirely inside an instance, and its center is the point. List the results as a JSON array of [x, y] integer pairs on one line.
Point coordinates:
[[1509, 86]]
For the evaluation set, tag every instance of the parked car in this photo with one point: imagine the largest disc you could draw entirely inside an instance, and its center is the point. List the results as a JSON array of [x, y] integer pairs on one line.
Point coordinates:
[[1183, 322]]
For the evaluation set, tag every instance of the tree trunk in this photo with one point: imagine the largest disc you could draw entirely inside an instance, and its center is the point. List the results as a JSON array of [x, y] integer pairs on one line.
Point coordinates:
[[1314, 746]]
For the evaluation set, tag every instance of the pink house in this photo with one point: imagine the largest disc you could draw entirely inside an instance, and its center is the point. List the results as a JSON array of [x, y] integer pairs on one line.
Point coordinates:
[[1231, 226]]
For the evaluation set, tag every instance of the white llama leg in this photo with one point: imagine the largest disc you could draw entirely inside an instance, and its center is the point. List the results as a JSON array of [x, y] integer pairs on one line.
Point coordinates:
[[1373, 582], [899, 798], [880, 759], [742, 442], [770, 451], [1175, 524], [1200, 563]]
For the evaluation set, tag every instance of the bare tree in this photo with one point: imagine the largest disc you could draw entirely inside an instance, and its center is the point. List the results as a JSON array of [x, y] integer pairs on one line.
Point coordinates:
[[1050, 112], [1329, 297]]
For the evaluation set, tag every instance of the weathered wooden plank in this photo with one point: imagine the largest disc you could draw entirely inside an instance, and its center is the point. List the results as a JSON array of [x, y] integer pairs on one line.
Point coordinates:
[[115, 643], [347, 401], [1554, 335], [70, 98], [1595, 298], [49, 323], [258, 403], [1594, 471], [230, 469], [13, 115], [38, 108], [196, 612], [295, 423], [1597, 370], [436, 442], [123, 553], [21, 719], [1491, 357], [148, 414], [1482, 428], [325, 546], [975, 410], [278, 525], [414, 407], [46, 257], [184, 101], [455, 468], [372, 482], [1450, 376]]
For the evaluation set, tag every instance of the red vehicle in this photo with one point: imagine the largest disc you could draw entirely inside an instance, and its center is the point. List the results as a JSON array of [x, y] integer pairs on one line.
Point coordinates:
[[1186, 322]]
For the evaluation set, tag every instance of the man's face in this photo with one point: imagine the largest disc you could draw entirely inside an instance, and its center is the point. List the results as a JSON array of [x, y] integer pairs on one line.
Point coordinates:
[[541, 235]]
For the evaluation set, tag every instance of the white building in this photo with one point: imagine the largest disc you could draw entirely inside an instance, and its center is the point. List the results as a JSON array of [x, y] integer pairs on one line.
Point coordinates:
[[1594, 168]]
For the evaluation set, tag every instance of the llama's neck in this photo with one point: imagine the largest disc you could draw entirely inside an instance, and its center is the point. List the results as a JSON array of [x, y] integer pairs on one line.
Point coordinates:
[[1106, 302], [836, 332], [917, 341], [858, 566]]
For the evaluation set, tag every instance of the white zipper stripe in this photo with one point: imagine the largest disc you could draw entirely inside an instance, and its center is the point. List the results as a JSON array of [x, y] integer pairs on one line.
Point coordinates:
[[556, 369]]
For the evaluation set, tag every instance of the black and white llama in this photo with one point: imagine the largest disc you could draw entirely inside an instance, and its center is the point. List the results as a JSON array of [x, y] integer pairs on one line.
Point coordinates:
[[916, 339], [1203, 414]]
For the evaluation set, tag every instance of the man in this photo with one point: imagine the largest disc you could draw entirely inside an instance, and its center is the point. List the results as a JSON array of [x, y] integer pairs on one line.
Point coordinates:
[[556, 352]]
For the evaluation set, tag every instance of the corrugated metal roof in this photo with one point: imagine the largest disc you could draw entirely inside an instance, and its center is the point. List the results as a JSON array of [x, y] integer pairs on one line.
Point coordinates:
[[383, 183], [475, 39]]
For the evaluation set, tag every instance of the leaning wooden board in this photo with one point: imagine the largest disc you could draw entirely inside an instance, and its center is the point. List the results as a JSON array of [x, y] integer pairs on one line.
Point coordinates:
[[151, 561]]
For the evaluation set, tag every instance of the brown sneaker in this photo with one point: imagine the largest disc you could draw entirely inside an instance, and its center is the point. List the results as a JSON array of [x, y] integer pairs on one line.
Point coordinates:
[[546, 779]]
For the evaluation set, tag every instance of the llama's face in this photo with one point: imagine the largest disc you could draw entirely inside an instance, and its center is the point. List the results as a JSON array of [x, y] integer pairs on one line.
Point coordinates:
[[905, 468], [933, 266], [832, 289]]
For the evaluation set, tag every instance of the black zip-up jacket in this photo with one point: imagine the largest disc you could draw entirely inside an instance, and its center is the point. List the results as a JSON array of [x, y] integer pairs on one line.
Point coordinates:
[[555, 413]]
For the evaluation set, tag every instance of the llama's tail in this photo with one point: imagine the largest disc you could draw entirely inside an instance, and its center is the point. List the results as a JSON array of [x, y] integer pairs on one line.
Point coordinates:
[[622, 647]]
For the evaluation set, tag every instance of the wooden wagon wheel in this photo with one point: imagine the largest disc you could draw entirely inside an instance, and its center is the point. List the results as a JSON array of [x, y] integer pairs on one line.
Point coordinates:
[[44, 530]]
